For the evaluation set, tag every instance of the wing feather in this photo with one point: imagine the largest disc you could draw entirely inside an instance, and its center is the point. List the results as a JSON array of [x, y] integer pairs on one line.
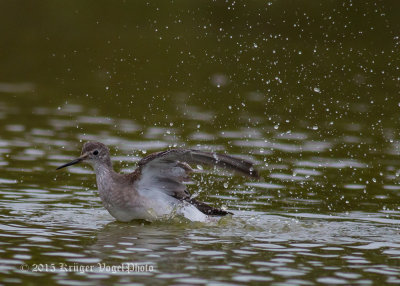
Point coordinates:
[[166, 171], [191, 156]]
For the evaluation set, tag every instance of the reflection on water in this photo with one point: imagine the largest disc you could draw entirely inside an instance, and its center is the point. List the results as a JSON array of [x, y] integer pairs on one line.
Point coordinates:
[[300, 90]]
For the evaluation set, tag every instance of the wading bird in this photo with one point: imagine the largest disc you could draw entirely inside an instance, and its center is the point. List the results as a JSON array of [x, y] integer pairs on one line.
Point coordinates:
[[156, 188]]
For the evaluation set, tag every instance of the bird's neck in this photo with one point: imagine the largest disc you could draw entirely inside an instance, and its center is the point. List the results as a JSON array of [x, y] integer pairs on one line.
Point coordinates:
[[102, 169], [102, 166], [104, 177]]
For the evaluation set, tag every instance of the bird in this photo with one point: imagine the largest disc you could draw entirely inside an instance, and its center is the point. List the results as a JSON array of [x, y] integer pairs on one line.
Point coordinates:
[[156, 188]]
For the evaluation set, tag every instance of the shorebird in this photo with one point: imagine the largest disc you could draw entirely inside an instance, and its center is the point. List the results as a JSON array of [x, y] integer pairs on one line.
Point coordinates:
[[156, 188]]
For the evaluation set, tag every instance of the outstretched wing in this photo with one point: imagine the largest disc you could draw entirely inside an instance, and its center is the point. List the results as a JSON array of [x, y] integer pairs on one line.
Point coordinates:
[[168, 170]]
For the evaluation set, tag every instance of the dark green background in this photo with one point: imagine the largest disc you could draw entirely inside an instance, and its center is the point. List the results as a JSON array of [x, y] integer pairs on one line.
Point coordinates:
[[308, 90]]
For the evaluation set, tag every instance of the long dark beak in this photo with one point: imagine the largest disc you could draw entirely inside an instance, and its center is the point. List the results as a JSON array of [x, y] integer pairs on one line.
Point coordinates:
[[73, 162]]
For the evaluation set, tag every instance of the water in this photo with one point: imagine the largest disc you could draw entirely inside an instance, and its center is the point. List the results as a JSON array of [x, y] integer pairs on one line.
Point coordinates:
[[322, 127]]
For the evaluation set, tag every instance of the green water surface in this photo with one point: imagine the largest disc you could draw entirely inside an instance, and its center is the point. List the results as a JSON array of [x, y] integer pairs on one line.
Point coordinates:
[[308, 90]]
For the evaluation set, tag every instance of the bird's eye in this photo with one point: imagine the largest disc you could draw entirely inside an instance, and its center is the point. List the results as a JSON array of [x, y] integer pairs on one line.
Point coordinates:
[[95, 152]]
